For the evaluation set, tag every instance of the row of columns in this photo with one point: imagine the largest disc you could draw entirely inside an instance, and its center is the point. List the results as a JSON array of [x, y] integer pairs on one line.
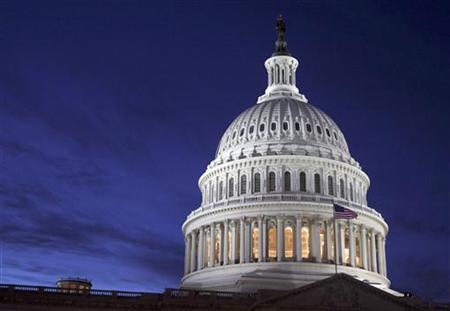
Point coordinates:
[[320, 249]]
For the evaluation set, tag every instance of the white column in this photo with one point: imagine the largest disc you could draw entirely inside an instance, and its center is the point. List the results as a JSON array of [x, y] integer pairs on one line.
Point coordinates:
[[187, 247], [260, 238], [352, 243], [211, 245], [225, 242], [201, 243], [220, 259], [373, 251], [234, 233], [341, 238], [242, 240], [364, 246], [248, 241], [193, 253], [328, 241], [380, 255], [384, 257], [264, 239], [280, 238], [298, 238], [315, 239]]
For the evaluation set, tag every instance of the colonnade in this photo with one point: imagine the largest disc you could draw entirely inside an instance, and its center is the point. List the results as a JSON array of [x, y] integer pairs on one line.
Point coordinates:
[[285, 238]]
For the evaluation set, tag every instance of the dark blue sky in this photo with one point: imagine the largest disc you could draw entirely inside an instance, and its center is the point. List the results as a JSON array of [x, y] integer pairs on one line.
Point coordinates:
[[111, 110]]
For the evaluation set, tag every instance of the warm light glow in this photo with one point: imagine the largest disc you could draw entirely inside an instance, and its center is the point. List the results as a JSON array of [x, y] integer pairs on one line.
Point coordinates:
[[208, 250], [305, 242], [346, 247], [229, 246], [255, 243], [217, 245], [358, 250], [323, 250], [272, 243], [288, 242]]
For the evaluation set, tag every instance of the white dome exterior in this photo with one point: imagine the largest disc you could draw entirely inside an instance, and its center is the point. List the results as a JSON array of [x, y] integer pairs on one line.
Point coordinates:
[[266, 220]]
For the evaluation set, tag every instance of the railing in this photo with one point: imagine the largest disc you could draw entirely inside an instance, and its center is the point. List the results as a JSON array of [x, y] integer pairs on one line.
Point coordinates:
[[285, 198], [168, 295]]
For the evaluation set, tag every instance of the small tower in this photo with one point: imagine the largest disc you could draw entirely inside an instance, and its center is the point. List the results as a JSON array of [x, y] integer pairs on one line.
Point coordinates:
[[281, 68], [74, 285]]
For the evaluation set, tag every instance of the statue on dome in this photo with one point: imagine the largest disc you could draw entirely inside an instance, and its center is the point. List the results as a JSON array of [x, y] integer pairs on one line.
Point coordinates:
[[281, 44]]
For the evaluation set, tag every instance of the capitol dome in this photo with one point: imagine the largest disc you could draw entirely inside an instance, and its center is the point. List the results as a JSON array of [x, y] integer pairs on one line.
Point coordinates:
[[268, 216]]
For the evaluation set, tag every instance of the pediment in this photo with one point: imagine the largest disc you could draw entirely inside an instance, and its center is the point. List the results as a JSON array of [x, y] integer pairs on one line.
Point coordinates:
[[340, 292]]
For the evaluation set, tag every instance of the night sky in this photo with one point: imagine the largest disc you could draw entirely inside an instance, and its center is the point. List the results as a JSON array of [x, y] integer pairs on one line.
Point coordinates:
[[111, 110]]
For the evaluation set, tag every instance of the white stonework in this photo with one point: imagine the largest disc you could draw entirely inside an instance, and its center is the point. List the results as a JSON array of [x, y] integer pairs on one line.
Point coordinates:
[[266, 217]]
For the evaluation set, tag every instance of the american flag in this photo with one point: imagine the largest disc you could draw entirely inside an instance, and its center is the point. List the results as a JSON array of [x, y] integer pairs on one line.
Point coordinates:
[[343, 213]]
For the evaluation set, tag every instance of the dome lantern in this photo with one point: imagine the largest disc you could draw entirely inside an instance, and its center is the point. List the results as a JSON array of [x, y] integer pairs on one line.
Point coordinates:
[[281, 69]]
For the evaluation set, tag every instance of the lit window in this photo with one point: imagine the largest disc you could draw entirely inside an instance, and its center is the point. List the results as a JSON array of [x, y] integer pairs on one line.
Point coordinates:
[[271, 181], [288, 242], [305, 242], [272, 243], [243, 184], [257, 182], [303, 181], [316, 183], [273, 126], [308, 128], [255, 243], [285, 126], [287, 181], [330, 186], [319, 130]]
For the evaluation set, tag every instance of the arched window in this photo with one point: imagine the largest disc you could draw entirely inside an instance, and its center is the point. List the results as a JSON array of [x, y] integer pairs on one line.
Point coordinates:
[[250, 130], [302, 181], [351, 192], [305, 242], [273, 126], [287, 181], [341, 185], [308, 128], [278, 73], [257, 183], [285, 126], [272, 182], [271, 76], [220, 190], [319, 130], [261, 127], [330, 185], [317, 183], [242, 132], [288, 242], [230, 187], [243, 184], [272, 242], [328, 132], [255, 243], [297, 126], [282, 76]]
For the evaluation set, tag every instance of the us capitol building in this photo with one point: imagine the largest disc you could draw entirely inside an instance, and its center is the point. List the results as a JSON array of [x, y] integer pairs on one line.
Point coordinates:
[[265, 236], [266, 217]]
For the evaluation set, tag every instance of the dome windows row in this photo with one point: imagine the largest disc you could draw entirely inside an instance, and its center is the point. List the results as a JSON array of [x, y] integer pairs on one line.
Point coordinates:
[[303, 182], [285, 126]]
